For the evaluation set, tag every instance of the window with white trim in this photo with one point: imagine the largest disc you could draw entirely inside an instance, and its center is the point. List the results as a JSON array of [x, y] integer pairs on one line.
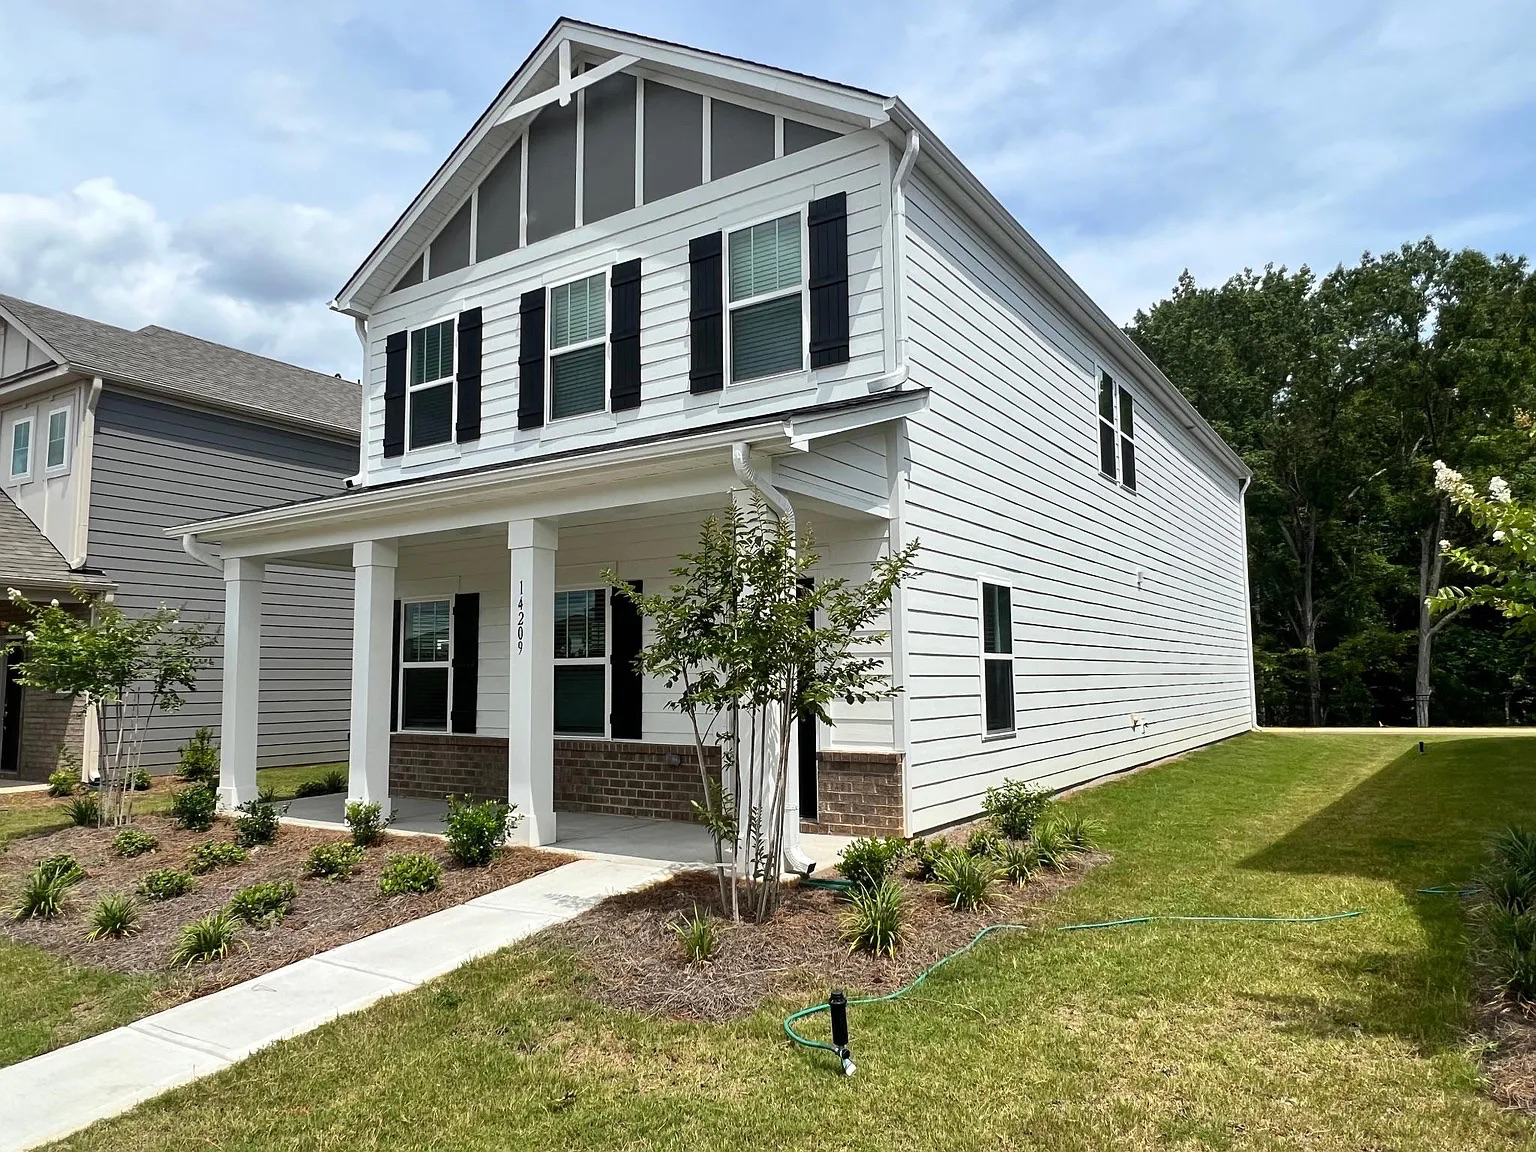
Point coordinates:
[[58, 438], [430, 393], [578, 346], [426, 657], [581, 662], [997, 658], [21, 448], [765, 281], [1117, 432]]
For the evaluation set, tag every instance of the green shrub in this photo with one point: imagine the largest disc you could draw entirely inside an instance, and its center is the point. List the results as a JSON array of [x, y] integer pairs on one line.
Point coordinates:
[[1017, 860], [264, 904], [134, 842], [410, 872], [1014, 808], [41, 896], [1054, 843], [873, 919], [335, 780], [116, 915], [208, 855], [165, 884], [983, 842], [205, 940], [62, 866], [199, 759], [308, 788], [335, 861], [140, 781], [194, 807], [366, 823], [696, 933], [266, 794], [476, 831], [1082, 832], [63, 782], [965, 879], [867, 862], [925, 856], [84, 811], [256, 823]]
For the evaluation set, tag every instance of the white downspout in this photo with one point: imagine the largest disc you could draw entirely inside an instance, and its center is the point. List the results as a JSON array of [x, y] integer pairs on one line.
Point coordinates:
[[199, 551], [898, 377], [1253, 683], [360, 326], [85, 448], [795, 858]]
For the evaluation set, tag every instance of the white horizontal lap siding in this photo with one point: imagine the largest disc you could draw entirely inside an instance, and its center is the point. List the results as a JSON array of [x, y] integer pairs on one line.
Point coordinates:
[[658, 234], [854, 463], [1124, 604]]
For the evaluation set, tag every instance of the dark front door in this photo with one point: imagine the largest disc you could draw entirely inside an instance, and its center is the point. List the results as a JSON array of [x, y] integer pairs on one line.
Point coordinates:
[[807, 735], [10, 712]]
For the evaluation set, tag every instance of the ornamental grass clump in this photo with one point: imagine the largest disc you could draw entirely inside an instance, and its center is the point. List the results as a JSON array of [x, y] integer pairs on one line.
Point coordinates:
[[206, 940], [965, 880], [42, 895], [84, 811], [1504, 917], [873, 919], [697, 934], [476, 831], [210, 854], [62, 866], [1017, 860], [867, 862], [115, 916]]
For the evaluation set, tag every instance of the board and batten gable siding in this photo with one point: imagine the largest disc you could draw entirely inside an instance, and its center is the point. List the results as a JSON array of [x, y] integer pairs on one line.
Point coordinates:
[[49, 496], [156, 465], [1125, 604], [644, 547], [657, 234]]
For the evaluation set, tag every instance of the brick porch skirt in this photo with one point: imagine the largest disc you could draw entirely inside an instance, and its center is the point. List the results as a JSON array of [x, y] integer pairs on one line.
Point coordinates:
[[858, 794], [617, 777]]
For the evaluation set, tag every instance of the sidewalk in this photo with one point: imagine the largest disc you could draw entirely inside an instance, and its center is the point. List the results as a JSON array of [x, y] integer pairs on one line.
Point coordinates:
[[60, 1092]]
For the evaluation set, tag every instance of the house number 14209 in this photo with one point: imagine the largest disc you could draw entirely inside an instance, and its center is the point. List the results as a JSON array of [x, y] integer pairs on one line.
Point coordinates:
[[521, 616]]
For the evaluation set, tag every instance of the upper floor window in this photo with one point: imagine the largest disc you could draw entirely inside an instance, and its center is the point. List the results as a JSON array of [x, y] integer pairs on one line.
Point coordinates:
[[431, 385], [1117, 432], [21, 448], [426, 644], [578, 347], [581, 662], [766, 280], [58, 438], [997, 658]]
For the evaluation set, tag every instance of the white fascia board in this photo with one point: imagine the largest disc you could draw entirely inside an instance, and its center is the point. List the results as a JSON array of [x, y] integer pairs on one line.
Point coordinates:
[[35, 381], [988, 213], [14, 322], [805, 430]]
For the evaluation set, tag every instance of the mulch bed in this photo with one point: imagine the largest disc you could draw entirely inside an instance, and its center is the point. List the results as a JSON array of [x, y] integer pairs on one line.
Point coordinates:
[[635, 962], [326, 913]]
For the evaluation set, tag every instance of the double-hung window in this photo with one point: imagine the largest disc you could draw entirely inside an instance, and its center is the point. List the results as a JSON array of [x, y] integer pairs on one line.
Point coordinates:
[[431, 385], [581, 662], [578, 347], [426, 655], [997, 658], [21, 448], [766, 281], [58, 438], [1117, 432]]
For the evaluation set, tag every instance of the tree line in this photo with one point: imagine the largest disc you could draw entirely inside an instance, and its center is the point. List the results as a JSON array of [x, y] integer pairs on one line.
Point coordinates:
[[1342, 393]]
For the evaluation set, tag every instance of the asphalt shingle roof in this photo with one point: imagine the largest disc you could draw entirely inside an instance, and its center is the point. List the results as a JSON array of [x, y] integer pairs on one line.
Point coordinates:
[[29, 561], [174, 362]]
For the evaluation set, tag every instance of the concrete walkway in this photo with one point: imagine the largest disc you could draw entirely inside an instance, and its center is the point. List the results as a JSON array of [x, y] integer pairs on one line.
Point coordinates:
[[62, 1091]]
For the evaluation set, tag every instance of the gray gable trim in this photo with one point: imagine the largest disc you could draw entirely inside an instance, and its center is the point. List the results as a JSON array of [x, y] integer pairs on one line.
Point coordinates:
[[29, 561], [163, 360]]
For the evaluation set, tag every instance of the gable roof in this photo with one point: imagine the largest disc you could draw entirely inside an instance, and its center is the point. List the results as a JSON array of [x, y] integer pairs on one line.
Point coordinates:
[[163, 360], [30, 561]]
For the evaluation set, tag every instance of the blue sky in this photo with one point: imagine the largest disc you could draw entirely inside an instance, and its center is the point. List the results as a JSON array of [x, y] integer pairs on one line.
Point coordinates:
[[221, 166]]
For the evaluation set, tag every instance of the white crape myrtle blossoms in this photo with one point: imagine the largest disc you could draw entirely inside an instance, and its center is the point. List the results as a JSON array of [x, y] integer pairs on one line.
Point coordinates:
[[1450, 481], [1498, 490]]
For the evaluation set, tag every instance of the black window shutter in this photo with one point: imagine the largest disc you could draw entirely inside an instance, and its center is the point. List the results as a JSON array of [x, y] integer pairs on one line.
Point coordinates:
[[467, 427], [706, 308], [624, 336], [827, 223], [530, 361], [394, 674], [466, 662], [624, 722], [394, 394]]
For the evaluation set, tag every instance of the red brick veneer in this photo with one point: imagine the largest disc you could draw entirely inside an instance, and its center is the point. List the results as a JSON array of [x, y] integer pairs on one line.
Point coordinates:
[[858, 794]]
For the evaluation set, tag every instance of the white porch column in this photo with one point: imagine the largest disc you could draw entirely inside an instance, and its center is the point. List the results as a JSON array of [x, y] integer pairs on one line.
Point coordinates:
[[373, 622], [243, 580], [531, 705]]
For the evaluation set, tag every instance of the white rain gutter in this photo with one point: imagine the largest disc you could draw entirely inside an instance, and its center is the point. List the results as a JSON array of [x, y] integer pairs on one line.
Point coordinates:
[[898, 377], [360, 326], [795, 858]]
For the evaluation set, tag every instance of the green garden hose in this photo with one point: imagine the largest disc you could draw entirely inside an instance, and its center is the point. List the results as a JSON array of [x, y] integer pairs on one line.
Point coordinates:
[[789, 1021]]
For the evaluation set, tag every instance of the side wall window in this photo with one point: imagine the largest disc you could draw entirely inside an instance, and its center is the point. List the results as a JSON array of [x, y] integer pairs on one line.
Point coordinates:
[[578, 347], [997, 658], [431, 386], [58, 438], [765, 275], [21, 449], [1117, 432]]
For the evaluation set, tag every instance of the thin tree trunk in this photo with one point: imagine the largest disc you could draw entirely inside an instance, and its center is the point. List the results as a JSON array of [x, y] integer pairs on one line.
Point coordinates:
[[1304, 620], [1431, 567]]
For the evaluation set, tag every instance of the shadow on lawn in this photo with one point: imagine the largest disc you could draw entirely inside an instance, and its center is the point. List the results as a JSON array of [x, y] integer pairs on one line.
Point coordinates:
[[1423, 820]]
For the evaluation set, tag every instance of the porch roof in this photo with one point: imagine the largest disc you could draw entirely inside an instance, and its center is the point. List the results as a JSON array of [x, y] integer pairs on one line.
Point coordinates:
[[31, 562]]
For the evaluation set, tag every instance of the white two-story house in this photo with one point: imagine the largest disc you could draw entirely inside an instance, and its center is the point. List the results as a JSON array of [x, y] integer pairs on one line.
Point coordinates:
[[652, 279]]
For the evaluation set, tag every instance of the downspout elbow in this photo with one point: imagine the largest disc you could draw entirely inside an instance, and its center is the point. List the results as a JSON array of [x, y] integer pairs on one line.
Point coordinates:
[[199, 551]]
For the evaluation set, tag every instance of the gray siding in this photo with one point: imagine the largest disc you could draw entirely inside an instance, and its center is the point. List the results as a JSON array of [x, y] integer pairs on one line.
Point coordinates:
[[157, 465]]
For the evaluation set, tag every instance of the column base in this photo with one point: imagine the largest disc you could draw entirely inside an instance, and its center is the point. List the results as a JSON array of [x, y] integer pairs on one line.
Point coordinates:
[[533, 830], [231, 796], [386, 807]]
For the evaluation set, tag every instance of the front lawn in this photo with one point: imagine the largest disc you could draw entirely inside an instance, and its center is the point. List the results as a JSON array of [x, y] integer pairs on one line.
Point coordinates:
[[1347, 1035]]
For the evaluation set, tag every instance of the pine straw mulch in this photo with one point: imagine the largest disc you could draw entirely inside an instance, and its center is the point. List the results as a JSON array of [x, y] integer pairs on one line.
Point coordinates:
[[326, 913], [634, 961]]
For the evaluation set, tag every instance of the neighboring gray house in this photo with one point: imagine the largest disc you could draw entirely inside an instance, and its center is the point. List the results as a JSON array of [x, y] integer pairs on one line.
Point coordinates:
[[108, 436]]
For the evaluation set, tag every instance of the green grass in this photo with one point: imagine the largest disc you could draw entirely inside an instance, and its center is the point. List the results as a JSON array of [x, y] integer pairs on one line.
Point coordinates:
[[1344, 1036], [46, 1002], [285, 781]]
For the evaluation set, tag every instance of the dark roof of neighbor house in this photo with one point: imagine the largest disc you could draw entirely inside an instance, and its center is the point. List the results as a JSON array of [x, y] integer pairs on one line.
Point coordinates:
[[173, 362], [28, 560]]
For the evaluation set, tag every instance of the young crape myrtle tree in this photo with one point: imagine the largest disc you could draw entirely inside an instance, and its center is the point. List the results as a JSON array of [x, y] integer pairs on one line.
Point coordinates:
[[748, 643], [123, 668]]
